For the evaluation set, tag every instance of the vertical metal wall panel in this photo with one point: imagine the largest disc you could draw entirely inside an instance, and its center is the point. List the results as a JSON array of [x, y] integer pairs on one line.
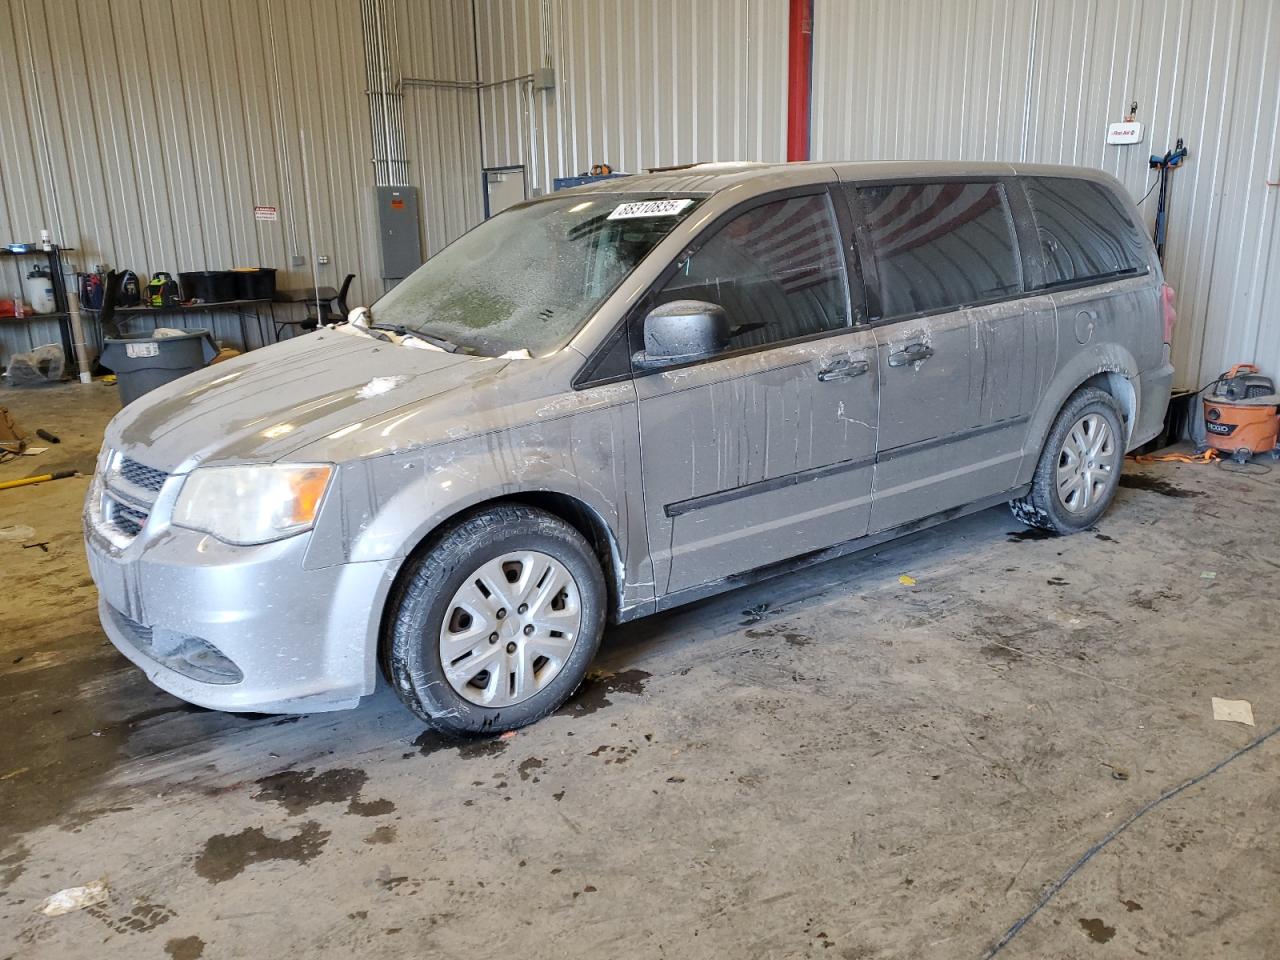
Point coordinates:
[[925, 79], [436, 42], [638, 84], [1039, 80], [157, 158], [1243, 299]]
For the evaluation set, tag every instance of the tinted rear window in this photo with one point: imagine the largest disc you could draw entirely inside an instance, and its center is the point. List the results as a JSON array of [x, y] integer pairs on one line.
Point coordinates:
[[941, 245], [1085, 231]]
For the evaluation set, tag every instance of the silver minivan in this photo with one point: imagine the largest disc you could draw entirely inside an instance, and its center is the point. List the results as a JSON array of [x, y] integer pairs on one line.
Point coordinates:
[[616, 399]]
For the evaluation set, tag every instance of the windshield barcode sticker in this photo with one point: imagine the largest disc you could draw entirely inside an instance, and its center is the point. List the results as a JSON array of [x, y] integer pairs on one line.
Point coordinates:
[[649, 208]]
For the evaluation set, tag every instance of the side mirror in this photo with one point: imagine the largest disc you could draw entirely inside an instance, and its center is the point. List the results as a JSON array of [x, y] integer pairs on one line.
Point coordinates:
[[684, 330]]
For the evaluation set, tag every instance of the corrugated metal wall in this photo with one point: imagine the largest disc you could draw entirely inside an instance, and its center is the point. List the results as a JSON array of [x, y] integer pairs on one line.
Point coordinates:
[[436, 42], [1038, 80], [158, 158], [159, 124], [639, 84]]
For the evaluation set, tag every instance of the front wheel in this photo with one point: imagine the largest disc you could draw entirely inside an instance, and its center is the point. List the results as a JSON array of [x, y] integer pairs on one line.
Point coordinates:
[[495, 625], [1079, 469]]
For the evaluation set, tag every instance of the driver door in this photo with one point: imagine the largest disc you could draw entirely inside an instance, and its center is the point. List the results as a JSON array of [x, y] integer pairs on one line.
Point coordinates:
[[765, 451]]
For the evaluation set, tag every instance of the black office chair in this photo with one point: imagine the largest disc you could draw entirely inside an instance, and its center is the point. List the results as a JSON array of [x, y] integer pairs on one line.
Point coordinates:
[[332, 309], [324, 305]]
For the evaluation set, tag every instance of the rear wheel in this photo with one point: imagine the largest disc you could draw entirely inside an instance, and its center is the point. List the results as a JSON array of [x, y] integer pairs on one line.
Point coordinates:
[[494, 626], [1079, 469]]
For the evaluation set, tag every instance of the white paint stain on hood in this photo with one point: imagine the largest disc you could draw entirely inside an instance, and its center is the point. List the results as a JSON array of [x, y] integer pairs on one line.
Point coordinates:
[[378, 386]]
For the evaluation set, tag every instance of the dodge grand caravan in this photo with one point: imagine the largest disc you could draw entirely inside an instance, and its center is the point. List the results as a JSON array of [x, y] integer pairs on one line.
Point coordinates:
[[620, 398]]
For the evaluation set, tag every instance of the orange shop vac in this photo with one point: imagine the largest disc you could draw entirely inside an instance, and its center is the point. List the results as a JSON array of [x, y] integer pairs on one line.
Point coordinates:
[[1240, 414]]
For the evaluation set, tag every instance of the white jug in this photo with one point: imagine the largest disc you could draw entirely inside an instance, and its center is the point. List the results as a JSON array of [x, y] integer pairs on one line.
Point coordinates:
[[39, 290]]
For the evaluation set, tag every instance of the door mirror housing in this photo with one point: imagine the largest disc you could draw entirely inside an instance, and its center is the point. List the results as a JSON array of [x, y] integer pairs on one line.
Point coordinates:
[[684, 330]]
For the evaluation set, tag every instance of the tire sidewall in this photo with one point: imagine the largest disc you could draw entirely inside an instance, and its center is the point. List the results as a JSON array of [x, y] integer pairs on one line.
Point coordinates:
[[415, 665], [1062, 518]]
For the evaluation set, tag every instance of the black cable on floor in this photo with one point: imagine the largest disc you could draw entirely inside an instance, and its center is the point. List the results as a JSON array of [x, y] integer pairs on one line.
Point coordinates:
[[1093, 851]]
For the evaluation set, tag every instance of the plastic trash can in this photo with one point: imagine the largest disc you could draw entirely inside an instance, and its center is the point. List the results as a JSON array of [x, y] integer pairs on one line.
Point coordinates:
[[144, 361]]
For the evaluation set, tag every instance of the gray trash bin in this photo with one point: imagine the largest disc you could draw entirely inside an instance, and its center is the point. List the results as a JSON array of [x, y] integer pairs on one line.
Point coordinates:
[[142, 361]]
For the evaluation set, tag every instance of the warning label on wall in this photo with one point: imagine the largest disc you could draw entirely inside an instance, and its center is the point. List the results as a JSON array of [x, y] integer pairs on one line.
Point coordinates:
[[266, 213]]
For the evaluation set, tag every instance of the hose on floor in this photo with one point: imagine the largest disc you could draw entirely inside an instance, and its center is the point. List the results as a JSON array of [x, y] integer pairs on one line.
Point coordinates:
[[1097, 848]]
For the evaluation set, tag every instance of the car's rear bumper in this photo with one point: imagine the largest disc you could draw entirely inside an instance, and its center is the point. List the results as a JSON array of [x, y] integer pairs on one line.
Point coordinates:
[[1153, 403]]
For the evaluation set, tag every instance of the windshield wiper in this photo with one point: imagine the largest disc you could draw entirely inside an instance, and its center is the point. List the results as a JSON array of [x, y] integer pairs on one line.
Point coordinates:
[[400, 330]]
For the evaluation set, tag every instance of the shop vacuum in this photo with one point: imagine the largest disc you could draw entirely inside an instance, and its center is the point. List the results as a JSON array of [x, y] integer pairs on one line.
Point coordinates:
[[1240, 414]]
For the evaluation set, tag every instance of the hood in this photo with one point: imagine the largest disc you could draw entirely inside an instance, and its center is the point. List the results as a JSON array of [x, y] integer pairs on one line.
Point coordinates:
[[263, 405]]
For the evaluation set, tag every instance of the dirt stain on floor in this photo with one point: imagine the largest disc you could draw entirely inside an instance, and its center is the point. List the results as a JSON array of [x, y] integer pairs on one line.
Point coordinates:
[[226, 855], [1098, 931], [1140, 481], [596, 688], [794, 638], [527, 767], [78, 742], [185, 948], [1031, 533], [12, 865], [300, 790], [473, 748], [384, 834], [143, 918]]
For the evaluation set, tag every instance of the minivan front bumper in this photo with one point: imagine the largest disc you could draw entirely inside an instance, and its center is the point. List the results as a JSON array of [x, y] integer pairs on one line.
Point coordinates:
[[238, 628]]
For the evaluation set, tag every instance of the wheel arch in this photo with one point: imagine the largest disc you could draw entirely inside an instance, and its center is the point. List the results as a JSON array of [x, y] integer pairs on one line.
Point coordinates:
[[1122, 390], [570, 509], [1112, 369]]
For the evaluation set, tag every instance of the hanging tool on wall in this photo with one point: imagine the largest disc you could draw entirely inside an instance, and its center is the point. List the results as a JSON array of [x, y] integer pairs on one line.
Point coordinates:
[[1166, 165]]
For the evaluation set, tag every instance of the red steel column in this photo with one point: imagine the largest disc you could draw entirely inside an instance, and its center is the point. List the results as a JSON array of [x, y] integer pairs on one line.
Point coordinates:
[[799, 78]]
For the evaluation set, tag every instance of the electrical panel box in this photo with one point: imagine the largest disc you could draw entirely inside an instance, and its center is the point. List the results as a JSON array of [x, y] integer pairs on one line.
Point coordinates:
[[399, 234]]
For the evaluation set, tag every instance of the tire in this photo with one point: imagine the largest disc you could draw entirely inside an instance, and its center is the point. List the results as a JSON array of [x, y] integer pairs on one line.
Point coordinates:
[[1055, 502], [452, 603]]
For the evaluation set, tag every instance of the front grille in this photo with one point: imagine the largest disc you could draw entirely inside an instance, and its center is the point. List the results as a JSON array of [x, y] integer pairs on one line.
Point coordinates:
[[128, 490], [128, 520], [140, 475]]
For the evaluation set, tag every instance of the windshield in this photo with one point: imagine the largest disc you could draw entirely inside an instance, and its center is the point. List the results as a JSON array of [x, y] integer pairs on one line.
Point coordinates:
[[529, 278]]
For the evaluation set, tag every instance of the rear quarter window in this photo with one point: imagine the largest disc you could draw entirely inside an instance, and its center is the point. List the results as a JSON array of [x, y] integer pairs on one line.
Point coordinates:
[[1085, 231]]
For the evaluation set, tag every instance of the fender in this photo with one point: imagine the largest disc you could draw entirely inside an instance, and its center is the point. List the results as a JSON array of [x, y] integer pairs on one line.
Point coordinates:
[[1112, 367], [389, 505]]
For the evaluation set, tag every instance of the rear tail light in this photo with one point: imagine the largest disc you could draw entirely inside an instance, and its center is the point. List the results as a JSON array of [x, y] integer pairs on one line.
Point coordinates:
[[1170, 314]]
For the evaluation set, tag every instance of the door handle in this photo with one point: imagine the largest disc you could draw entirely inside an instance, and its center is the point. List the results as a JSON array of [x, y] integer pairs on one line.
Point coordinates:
[[843, 369], [911, 353]]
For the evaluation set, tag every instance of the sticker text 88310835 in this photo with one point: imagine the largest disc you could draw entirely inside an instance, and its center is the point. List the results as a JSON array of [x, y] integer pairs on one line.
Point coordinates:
[[649, 208]]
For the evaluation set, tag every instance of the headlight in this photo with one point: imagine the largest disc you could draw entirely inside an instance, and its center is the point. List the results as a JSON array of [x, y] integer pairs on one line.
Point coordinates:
[[257, 504], [105, 456]]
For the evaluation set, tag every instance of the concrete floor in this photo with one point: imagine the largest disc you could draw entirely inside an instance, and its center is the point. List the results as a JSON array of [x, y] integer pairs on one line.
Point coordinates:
[[833, 764]]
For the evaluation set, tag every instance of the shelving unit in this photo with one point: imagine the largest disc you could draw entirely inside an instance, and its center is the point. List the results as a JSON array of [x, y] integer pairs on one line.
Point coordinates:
[[53, 257]]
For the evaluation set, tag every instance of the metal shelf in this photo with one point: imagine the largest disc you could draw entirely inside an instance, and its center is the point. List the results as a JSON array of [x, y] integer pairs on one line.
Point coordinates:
[[6, 252], [58, 315]]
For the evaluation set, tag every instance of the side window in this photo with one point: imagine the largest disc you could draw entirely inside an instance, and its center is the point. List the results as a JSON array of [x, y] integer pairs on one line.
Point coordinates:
[[1085, 233], [940, 246], [777, 270]]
